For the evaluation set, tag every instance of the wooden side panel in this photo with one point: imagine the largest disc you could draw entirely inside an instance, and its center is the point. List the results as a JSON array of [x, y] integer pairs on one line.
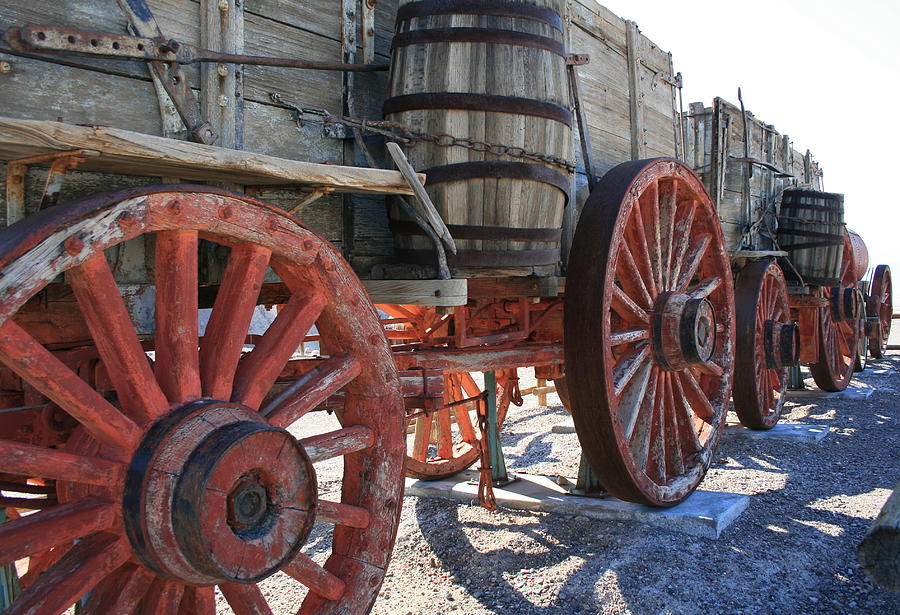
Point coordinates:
[[718, 139]]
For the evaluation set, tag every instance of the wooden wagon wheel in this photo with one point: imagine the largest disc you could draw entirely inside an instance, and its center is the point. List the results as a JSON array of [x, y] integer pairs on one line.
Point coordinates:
[[881, 305], [839, 329], [449, 440], [767, 344], [649, 331], [179, 482]]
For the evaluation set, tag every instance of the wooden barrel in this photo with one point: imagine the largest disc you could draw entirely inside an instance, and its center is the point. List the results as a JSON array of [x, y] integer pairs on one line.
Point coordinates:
[[860, 255], [811, 230], [490, 74]]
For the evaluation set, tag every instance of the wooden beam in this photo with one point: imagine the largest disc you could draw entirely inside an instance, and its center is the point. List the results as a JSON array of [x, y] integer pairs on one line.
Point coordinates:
[[635, 92], [418, 292], [222, 97], [132, 153], [879, 552]]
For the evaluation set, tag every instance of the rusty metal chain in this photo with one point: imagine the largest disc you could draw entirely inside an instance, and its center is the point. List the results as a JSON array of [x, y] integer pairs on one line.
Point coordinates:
[[404, 134]]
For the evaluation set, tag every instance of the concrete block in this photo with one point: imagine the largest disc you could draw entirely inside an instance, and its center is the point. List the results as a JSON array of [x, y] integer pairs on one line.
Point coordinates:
[[704, 513], [810, 434], [855, 393], [567, 427], [882, 372]]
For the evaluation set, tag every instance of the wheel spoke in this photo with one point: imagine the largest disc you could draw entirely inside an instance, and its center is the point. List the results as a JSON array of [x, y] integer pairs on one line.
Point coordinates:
[[117, 342], [316, 578], [258, 370], [177, 364], [627, 309], [445, 435], [312, 389], [221, 345], [696, 397], [245, 599], [37, 366], [706, 287], [422, 437], [198, 601], [120, 592], [628, 366], [343, 514], [163, 598], [76, 573], [668, 194], [635, 228], [674, 453], [686, 417], [639, 435], [633, 397], [692, 261], [629, 336], [682, 238], [338, 443], [629, 276], [655, 465], [54, 526], [34, 461], [649, 204]]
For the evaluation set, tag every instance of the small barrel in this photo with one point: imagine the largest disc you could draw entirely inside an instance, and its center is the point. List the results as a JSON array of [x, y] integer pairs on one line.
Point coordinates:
[[489, 75], [860, 255], [811, 230]]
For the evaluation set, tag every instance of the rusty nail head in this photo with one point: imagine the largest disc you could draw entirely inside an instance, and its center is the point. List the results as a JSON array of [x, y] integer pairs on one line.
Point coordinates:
[[6, 67], [174, 207], [224, 5], [222, 69], [222, 100], [272, 225], [74, 245], [226, 212], [308, 244]]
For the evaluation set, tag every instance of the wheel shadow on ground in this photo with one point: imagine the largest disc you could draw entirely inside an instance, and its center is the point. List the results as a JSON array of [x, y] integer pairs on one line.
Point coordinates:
[[805, 530]]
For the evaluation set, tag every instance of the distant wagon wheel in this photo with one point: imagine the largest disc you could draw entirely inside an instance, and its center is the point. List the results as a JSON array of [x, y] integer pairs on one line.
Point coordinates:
[[178, 482], [839, 329], [880, 304], [448, 441], [767, 344], [649, 331]]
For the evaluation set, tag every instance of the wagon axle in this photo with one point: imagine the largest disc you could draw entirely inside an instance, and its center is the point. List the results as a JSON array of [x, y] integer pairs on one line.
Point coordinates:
[[683, 331]]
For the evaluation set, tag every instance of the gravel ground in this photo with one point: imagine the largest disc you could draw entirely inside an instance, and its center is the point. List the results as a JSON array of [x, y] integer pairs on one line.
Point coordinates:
[[793, 551]]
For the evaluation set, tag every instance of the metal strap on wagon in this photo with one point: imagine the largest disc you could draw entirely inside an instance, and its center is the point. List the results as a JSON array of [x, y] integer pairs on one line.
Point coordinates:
[[465, 101], [498, 169], [493, 8], [478, 35]]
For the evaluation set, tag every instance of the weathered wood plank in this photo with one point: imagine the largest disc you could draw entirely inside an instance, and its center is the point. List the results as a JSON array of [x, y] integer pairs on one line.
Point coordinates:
[[139, 154]]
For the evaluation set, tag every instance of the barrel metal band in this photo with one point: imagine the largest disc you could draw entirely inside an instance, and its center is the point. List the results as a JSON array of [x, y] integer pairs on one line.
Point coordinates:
[[492, 8], [497, 169], [466, 101], [478, 35], [810, 245], [830, 238], [486, 233], [833, 208], [484, 258]]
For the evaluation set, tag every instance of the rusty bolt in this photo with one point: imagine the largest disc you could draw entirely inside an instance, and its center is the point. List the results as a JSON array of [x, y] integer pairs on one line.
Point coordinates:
[[222, 69], [174, 207], [73, 245], [226, 212], [127, 219], [308, 244], [224, 5], [222, 100], [272, 225], [6, 67]]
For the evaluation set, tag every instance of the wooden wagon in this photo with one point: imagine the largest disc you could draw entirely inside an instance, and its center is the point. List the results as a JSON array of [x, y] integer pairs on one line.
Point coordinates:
[[145, 415]]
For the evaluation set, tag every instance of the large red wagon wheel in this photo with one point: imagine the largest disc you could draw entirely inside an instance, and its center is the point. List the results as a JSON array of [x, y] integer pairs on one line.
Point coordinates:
[[186, 479], [649, 331], [880, 305], [839, 329], [449, 440], [767, 343]]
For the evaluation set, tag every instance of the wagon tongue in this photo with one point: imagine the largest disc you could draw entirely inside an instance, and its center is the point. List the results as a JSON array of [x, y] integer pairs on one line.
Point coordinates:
[[215, 495]]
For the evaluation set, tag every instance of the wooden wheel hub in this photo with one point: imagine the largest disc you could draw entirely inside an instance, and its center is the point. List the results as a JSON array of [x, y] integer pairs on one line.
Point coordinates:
[[782, 344], [683, 331], [215, 494], [845, 303]]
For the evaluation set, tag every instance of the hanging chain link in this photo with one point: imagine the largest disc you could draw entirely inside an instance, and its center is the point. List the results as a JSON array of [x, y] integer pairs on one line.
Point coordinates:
[[400, 132]]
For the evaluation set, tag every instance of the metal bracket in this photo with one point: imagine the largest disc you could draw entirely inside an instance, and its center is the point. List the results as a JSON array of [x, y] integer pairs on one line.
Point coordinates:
[[577, 59], [17, 172]]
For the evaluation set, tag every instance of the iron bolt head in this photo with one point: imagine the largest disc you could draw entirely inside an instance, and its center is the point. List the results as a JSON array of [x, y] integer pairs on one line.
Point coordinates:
[[222, 100], [6, 67], [222, 69], [224, 5]]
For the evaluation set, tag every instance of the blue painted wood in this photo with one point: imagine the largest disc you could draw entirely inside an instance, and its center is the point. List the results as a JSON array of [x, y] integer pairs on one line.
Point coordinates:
[[498, 464], [9, 580]]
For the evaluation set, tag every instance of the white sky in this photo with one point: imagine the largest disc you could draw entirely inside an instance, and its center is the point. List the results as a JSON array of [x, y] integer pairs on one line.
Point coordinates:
[[824, 72]]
